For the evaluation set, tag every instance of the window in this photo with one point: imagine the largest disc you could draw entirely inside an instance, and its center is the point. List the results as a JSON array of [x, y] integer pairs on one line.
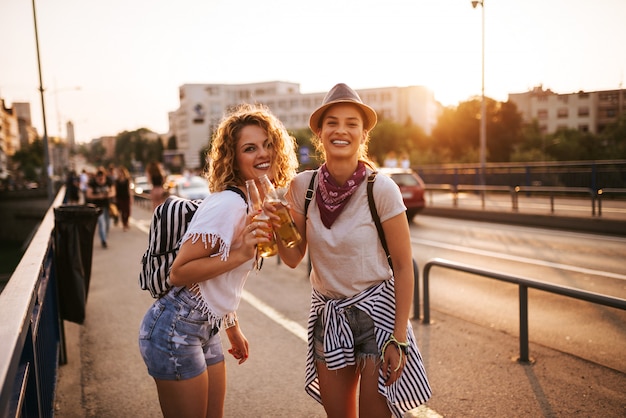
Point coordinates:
[[583, 128], [583, 111], [562, 113], [542, 114]]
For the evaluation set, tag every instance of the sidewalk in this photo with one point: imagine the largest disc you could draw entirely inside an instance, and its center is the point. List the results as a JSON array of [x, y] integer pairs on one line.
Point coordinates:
[[471, 368]]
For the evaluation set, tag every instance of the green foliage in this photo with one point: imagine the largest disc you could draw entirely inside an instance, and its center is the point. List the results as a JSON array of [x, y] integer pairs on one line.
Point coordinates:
[[30, 160], [137, 147], [613, 139]]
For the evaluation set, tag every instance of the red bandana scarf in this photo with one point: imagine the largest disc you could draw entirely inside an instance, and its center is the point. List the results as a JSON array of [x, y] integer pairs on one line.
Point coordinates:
[[331, 198]]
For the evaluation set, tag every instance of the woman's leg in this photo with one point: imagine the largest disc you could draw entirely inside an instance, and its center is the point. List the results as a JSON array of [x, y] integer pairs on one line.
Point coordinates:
[[217, 390], [338, 390], [201, 396], [184, 398], [371, 403]]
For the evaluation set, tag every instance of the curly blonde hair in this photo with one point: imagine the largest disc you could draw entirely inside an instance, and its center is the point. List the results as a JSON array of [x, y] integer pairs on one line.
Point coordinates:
[[223, 170]]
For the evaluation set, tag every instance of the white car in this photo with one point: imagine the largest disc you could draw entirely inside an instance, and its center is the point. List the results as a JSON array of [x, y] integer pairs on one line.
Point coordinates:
[[141, 185], [194, 187]]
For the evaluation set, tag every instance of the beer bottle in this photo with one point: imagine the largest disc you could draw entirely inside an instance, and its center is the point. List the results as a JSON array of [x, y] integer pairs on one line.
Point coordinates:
[[265, 249], [288, 233]]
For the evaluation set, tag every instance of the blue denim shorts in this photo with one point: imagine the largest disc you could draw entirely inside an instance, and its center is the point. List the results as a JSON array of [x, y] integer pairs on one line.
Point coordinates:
[[363, 332], [177, 341]]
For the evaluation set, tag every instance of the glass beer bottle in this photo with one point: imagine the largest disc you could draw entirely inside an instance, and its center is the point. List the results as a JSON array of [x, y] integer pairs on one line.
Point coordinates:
[[288, 233], [266, 249]]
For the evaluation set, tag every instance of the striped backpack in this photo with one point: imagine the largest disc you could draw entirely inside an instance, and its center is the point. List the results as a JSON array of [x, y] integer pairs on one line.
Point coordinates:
[[167, 227]]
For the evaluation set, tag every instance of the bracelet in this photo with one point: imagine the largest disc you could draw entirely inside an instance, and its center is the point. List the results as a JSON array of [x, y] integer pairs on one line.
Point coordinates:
[[230, 320], [403, 348]]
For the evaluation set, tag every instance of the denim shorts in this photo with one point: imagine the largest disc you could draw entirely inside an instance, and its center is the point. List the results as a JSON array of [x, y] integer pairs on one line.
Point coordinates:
[[363, 332], [177, 341]]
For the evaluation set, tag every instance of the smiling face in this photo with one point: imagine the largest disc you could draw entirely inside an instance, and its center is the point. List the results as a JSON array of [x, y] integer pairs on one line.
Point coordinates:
[[342, 131], [254, 153]]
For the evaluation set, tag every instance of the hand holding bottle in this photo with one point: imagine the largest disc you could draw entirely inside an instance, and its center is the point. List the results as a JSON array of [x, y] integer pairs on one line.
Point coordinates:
[[266, 249], [287, 230]]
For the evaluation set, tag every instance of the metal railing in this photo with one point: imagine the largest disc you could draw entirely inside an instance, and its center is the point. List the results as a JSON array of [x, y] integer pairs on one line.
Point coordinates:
[[616, 191], [523, 285], [31, 331], [551, 192]]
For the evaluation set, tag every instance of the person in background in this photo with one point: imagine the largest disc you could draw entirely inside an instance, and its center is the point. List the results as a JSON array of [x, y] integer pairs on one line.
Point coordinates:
[[72, 187], [123, 195], [84, 182], [100, 192], [391, 160], [405, 162], [179, 337], [362, 358], [156, 177]]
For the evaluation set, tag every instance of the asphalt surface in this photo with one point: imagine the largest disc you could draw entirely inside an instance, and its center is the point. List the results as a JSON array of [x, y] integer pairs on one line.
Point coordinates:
[[473, 370]]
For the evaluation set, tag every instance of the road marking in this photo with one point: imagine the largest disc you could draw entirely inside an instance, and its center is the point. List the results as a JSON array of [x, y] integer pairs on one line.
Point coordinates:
[[509, 257], [291, 326]]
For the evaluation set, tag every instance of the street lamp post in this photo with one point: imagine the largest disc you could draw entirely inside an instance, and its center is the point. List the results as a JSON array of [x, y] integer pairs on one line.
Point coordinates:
[[483, 110], [46, 150]]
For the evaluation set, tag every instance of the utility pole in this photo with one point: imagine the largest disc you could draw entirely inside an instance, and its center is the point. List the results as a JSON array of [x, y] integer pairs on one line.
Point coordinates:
[[46, 150]]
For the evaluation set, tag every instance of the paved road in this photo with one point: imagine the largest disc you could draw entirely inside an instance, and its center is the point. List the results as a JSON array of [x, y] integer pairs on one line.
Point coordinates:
[[471, 368]]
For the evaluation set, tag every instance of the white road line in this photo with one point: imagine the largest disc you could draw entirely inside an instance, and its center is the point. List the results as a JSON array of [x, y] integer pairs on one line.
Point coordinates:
[[291, 326], [509, 257]]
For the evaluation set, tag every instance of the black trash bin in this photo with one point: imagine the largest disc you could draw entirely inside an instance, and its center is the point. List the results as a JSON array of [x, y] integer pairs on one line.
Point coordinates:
[[74, 227]]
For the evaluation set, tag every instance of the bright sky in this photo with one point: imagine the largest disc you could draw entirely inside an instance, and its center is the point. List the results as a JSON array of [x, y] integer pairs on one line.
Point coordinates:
[[128, 57]]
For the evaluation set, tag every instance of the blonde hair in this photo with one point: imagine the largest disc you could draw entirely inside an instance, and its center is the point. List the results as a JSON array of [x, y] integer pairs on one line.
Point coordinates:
[[223, 170]]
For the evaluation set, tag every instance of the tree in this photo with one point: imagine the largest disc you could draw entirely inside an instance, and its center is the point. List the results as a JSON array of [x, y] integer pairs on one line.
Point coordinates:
[[504, 128], [30, 160], [613, 139]]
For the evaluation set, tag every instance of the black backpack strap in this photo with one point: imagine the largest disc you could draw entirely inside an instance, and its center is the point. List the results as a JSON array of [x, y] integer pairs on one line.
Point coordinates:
[[374, 212], [239, 192], [309, 193]]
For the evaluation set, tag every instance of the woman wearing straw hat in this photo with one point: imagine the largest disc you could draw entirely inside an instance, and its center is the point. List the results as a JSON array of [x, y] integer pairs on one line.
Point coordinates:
[[362, 358]]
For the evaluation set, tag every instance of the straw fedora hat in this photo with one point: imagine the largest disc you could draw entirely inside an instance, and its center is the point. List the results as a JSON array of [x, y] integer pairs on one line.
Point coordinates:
[[341, 93]]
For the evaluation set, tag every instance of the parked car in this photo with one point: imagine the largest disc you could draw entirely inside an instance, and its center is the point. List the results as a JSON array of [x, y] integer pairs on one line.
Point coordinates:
[[411, 186], [141, 185], [194, 187]]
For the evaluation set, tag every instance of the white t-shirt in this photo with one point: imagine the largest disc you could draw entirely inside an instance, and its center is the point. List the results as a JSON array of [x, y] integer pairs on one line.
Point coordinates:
[[221, 217], [347, 258]]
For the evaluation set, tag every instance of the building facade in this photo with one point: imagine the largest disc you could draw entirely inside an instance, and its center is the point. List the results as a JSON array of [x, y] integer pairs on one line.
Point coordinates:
[[584, 111], [202, 107]]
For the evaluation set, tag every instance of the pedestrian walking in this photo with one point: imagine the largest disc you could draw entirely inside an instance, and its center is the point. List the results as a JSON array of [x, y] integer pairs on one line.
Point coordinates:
[[156, 177], [123, 195], [101, 192]]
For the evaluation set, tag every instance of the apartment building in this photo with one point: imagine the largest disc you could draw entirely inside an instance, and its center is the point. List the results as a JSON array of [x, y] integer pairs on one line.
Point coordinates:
[[584, 111], [202, 106]]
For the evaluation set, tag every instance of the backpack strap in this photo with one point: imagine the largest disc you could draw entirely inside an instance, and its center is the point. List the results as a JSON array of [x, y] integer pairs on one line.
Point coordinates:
[[239, 192], [309, 193], [374, 212]]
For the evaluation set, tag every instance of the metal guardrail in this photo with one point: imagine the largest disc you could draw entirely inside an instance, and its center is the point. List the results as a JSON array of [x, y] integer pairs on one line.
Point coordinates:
[[31, 331], [523, 284], [514, 192], [553, 191], [608, 191]]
